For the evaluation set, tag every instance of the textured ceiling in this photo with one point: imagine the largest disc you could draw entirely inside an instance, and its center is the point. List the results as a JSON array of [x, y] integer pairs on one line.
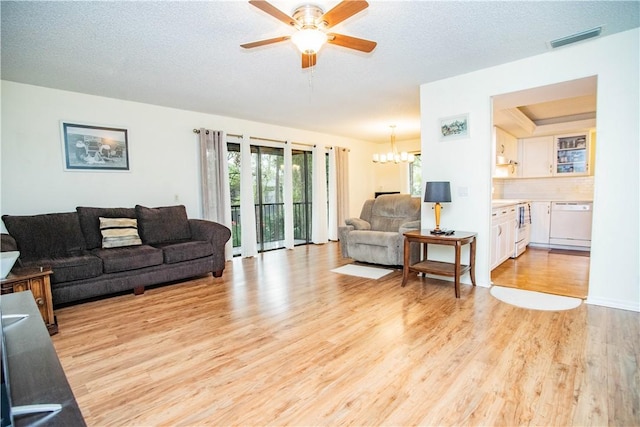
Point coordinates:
[[187, 55]]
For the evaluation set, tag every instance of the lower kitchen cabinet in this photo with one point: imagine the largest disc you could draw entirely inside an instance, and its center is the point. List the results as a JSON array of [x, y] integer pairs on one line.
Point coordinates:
[[503, 228], [540, 222]]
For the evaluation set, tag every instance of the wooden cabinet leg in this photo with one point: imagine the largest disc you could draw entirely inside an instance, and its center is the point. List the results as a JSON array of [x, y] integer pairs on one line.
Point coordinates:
[[407, 258]]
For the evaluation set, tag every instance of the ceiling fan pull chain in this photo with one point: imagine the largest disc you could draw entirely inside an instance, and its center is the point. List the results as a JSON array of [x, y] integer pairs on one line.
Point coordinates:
[[312, 68]]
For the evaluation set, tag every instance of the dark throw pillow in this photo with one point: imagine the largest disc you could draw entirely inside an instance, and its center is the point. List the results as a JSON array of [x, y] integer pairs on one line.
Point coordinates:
[[163, 224], [46, 235]]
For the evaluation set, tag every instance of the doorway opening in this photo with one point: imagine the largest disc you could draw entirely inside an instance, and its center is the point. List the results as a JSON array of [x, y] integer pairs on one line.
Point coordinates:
[[544, 159]]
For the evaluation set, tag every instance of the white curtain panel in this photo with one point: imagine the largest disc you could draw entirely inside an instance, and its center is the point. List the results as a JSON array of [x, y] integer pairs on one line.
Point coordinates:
[[216, 197], [333, 196], [319, 231], [288, 197], [342, 184], [249, 246]]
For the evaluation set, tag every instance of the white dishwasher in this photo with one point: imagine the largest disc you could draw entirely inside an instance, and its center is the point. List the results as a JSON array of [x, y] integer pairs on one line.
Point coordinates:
[[571, 224]]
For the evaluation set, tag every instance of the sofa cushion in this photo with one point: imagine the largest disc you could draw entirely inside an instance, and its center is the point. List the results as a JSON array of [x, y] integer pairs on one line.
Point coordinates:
[[185, 251], [119, 232], [375, 238], [66, 269], [90, 222], [163, 224], [128, 258], [46, 235], [390, 211]]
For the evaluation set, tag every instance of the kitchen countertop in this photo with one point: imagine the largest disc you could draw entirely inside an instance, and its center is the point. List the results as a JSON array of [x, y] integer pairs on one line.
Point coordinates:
[[500, 203]]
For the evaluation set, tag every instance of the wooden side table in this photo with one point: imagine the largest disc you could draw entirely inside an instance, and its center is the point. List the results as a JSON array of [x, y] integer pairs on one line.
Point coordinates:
[[440, 268], [36, 280]]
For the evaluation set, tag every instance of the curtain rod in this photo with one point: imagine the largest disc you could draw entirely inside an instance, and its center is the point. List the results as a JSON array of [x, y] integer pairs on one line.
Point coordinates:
[[328, 147], [270, 140], [207, 132]]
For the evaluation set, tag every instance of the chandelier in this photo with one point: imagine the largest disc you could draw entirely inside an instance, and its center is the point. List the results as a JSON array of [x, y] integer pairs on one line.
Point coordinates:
[[393, 155]]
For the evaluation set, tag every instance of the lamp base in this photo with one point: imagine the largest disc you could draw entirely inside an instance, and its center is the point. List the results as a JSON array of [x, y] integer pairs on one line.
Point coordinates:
[[437, 232]]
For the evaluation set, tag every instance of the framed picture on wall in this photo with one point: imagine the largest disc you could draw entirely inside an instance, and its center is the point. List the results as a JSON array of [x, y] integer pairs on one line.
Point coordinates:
[[455, 127], [94, 148]]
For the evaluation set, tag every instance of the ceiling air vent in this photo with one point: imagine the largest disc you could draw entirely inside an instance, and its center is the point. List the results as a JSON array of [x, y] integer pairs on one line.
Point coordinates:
[[594, 32]]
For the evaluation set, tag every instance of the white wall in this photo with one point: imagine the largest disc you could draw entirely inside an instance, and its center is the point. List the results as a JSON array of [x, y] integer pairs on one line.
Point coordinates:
[[163, 153], [614, 270]]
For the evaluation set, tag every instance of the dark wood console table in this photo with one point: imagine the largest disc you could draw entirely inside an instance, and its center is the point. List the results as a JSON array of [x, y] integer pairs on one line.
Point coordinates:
[[439, 268]]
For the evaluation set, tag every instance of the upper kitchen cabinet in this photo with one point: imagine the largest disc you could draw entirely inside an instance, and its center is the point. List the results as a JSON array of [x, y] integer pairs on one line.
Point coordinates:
[[572, 154], [537, 157], [506, 154], [559, 155]]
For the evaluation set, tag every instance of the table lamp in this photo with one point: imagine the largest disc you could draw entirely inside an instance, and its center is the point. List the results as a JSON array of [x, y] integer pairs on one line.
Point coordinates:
[[437, 192]]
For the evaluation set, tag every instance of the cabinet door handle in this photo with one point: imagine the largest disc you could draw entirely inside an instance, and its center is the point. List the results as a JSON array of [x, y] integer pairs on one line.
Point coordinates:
[[40, 302], [499, 230]]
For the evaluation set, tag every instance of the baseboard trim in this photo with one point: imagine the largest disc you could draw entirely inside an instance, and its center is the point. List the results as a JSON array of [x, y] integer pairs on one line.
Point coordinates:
[[611, 303]]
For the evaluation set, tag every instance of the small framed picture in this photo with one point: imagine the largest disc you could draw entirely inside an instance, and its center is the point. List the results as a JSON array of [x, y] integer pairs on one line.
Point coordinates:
[[455, 127], [94, 148]]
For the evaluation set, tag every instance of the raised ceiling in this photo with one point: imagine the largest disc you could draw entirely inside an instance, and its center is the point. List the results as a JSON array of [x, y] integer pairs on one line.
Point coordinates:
[[541, 110], [187, 55]]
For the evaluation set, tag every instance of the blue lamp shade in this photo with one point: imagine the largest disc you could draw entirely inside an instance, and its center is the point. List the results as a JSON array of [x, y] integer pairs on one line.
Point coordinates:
[[437, 192]]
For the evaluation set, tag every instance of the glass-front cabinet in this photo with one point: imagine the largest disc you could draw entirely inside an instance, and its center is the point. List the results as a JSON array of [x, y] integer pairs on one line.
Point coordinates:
[[572, 154]]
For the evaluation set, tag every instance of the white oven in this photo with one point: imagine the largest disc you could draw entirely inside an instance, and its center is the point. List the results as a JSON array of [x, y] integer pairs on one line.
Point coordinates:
[[523, 229]]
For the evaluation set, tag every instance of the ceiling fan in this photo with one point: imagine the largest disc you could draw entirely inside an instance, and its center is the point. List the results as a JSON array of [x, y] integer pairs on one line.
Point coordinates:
[[311, 21]]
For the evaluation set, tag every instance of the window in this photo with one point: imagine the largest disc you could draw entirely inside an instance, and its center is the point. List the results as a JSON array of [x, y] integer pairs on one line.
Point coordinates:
[[415, 177]]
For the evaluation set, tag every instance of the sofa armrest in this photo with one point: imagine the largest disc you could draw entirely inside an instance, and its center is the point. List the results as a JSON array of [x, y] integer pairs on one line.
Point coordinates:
[[342, 238], [358, 224], [7, 243], [209, 231], [408, 226]]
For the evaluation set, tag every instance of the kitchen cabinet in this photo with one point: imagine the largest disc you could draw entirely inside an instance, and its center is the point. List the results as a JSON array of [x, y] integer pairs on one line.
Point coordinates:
[[540, 223], [572, 154], [503, 228], [506, 154], [559, 155], [537, 157]]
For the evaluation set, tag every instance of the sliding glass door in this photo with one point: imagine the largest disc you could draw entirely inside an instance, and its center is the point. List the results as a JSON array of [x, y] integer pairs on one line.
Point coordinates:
[[301, 170], [267, 164]]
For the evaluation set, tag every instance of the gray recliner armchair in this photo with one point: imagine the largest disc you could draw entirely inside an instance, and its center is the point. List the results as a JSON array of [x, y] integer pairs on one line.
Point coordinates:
[[377, 236]]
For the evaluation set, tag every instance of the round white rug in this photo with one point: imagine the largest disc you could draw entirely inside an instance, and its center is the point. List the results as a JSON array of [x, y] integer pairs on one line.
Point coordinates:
[[534, 300]]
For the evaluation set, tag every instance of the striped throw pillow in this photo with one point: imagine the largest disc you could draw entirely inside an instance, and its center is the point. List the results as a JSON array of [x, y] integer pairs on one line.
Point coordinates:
[[118, 232]]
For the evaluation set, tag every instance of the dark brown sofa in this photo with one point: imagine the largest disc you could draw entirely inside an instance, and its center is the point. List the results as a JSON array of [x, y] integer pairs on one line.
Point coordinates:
[[171, 247]]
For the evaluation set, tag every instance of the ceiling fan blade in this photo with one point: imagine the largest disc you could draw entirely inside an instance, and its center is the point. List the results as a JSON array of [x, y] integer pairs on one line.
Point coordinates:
[[273, 11], [351, 42], [342, 11], [265, 42], [308, 60]]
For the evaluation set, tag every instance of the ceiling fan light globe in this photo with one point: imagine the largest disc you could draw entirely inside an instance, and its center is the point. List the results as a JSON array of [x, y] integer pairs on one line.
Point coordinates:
[[309, 40]]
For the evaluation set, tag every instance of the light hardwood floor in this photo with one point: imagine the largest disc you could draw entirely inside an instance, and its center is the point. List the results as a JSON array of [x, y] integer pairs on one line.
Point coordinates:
[[547, 271], [281, 340]]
